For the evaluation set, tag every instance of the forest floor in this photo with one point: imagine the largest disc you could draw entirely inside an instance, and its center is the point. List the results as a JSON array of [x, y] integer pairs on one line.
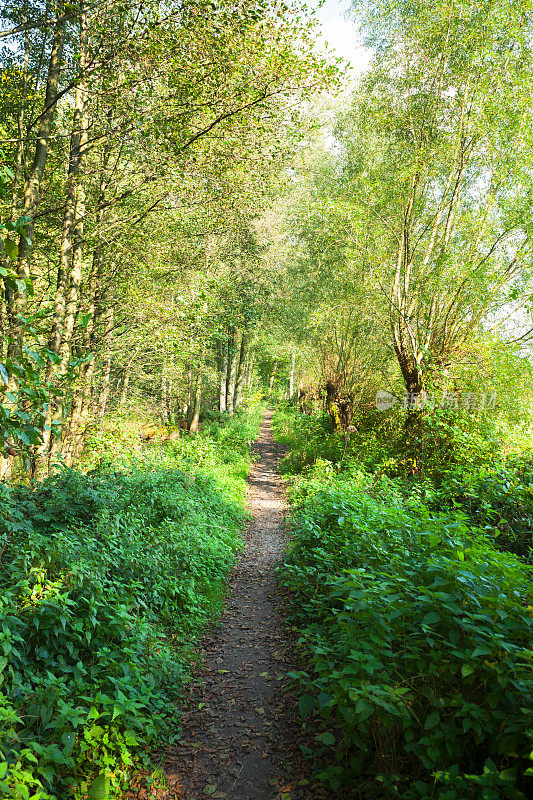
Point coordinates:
[[241, 730]]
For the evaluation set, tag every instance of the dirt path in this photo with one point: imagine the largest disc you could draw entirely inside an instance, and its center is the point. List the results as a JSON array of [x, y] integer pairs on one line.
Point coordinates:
[[241, 731]]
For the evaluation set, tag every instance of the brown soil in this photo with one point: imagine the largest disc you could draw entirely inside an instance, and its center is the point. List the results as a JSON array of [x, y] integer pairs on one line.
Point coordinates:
[[242, 731]]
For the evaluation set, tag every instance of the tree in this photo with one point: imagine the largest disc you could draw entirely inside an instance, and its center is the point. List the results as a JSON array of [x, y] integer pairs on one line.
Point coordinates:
[[131, 112], [437, 164]]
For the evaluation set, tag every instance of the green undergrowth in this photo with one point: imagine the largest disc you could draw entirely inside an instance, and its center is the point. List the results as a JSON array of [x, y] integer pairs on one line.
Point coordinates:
[[106, 579], [418, 632], [448, 460]]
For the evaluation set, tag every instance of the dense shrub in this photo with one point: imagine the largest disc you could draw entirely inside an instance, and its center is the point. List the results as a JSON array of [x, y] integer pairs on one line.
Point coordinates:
[[105, 579], [419, 634], [449, 460], [309, 437], [429, 447], [497, 496], [418, 629]]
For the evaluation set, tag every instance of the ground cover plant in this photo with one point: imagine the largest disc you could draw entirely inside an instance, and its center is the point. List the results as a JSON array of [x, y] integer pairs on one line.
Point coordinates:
[[107, 578], [419, 634]]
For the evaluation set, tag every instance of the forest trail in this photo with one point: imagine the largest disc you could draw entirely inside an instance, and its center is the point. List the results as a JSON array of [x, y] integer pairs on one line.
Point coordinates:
[[243, 743]]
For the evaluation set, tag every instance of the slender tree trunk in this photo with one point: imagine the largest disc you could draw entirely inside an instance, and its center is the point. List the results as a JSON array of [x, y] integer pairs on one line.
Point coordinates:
[[188, 397], [33, 183], [194, 412], [84, 396], [76, 271], [125, 386], [19, 156], [193, 418], [231, 373], [239, 386], [85, 405], [74, 205], [170, 401], [223, 364], [272, 377], [15, 303], [164, 407], [230, 351], [71, 254]]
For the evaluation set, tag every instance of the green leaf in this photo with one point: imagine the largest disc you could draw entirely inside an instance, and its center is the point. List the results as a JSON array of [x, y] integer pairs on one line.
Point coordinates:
[[326, 738], [306, 704], [432, 720], [11, 249], [68, 740], [483, 650], [100, 788], [467, 669], [84, 321]]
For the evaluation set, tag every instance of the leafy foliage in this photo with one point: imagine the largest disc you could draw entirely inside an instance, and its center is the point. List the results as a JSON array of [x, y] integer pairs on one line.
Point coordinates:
[[23, 391], [418, 631], [106, 579], [448, 459]]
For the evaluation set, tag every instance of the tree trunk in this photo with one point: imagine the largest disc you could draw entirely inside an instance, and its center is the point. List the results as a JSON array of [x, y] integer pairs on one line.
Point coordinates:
[[223, 365], [231, 373], [125, 386], [194, 411], [170, 402], [239, 386], [188, 397], [164, 406], [84, 396], [272, 377], [76, 270], [71, 253], [20, 151], [411, 373], [33, 182], [15, 303]]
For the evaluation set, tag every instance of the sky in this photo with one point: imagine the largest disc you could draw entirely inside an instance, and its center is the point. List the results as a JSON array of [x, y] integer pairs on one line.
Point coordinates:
[[340, 32]]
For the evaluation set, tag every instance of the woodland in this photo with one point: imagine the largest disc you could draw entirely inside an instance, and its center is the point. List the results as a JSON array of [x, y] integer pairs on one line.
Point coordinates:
[[204, 214]]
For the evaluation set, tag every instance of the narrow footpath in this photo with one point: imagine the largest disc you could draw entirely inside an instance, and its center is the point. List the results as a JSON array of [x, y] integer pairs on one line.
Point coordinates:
[[242, 731]]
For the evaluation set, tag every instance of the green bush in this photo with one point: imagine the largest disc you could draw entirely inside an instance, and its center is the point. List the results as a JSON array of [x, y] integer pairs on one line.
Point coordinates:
[[309, 437], [419, 634], [106, 578], [448, 459], [431, 446], [497, 496]]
